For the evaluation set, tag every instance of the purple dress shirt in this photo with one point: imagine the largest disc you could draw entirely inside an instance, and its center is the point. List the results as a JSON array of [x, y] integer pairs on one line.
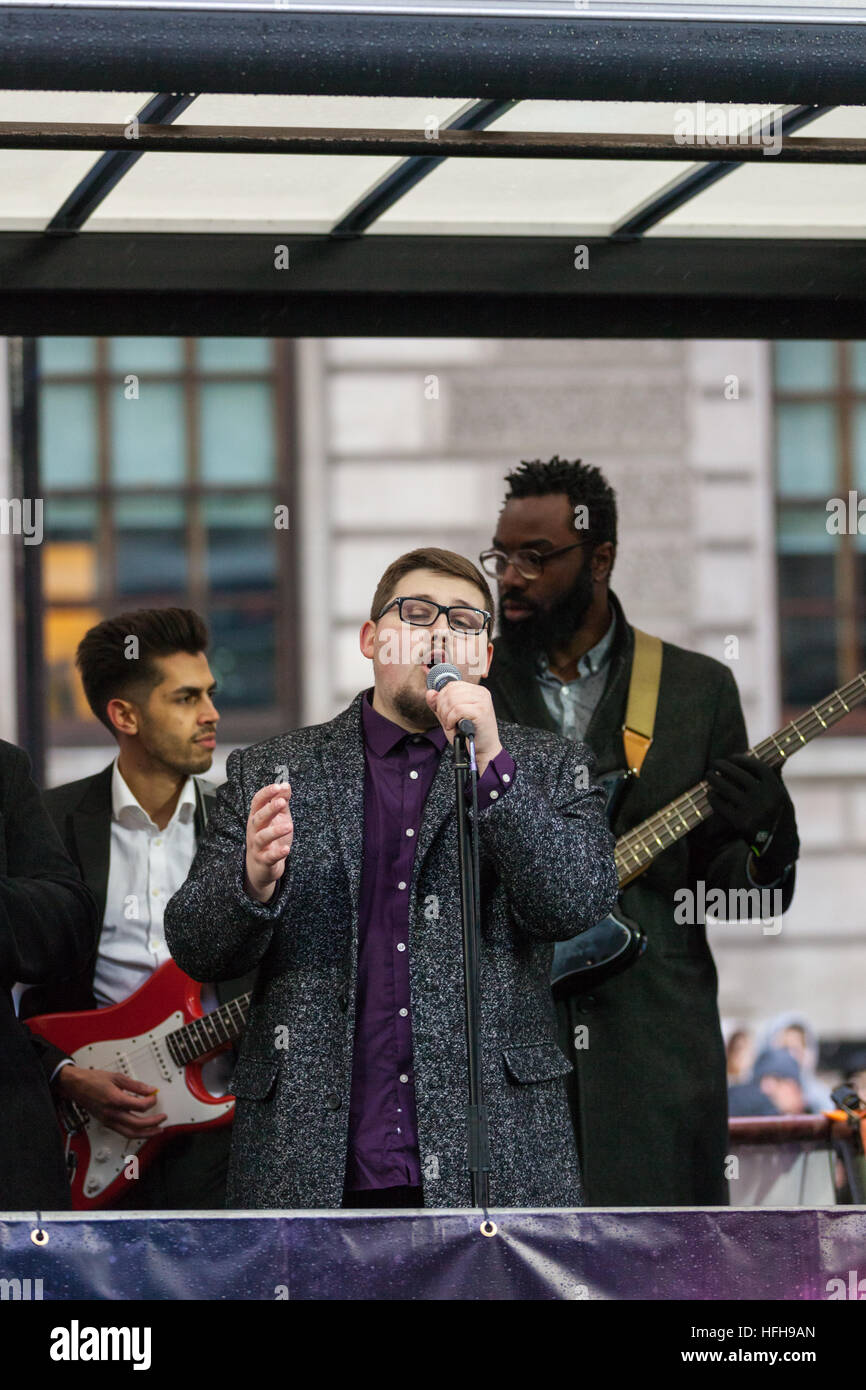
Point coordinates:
[[383, 1126]]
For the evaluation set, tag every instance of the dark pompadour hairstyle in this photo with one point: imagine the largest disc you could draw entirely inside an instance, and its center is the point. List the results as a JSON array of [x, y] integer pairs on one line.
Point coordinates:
[[581, 482], [115, 668]]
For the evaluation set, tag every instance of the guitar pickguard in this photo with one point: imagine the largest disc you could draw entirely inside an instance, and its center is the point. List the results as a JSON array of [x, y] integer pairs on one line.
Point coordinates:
[[144, 1058]]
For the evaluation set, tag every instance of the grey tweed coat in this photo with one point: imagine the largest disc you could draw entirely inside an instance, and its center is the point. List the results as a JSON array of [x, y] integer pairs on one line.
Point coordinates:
[[547, 873]]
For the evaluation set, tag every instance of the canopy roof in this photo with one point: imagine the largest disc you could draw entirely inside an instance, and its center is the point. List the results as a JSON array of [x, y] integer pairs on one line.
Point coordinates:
[[412, 186]]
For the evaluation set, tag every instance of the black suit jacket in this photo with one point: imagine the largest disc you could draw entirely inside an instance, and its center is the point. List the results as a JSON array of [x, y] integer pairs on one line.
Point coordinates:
[[81, 811], [48, 930], [649, 1091]]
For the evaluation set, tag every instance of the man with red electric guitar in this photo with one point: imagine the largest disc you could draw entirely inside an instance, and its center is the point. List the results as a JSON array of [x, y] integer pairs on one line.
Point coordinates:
[[132, 829]]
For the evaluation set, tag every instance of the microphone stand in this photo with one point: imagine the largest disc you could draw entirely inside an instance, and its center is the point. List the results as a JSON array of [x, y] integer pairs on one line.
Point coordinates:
[[466, 775]]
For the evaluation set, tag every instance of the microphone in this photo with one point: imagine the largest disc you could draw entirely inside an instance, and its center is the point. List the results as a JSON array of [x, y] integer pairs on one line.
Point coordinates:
[[437, 677]]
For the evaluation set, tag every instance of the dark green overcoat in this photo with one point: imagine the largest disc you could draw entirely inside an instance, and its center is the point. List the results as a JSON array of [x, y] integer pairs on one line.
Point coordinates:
[[648, 1094]]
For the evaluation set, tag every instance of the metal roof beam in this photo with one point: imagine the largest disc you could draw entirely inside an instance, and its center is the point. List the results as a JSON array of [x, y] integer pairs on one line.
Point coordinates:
[[286, 49]]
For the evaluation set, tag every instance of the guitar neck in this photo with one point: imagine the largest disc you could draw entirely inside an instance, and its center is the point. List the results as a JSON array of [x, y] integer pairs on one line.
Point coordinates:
[[637, 849], [203, 1035]]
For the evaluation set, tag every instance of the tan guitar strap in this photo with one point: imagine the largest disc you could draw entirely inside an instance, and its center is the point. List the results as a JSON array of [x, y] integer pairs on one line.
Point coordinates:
[[643, 695]]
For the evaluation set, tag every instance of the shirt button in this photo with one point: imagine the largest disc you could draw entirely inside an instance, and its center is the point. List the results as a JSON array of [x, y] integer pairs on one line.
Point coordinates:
[[156, 892], [401, 945], [494, 796], [157, 842], [154, 945], [403, 1077], [506, 777], [416, 738], [404, 1013], [410, 832], [401, 885], [414, 776]]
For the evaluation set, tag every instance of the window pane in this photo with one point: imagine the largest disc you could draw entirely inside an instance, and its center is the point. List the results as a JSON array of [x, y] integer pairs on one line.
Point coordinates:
[[145, 354], [859, 446], [858, 365], [70, 554], [147, 436], [234, 354], [70, 518], [803, 530], [806, 577], [63, 629], [67, 436], [806, 450], [67, 354], [150, 545], [809, 366], [242, 658], [808, 658], [237, 434], [241, 543]]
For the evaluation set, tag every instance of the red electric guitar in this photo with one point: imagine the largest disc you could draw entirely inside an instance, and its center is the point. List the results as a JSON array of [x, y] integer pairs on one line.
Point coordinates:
[[160, 1036]]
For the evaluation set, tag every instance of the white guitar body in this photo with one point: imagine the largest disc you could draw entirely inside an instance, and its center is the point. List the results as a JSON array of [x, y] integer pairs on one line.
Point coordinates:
[[144, 1059]]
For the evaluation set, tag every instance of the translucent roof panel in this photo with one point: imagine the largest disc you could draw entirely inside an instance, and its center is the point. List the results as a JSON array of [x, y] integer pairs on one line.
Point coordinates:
[[261, 192], [189, 192], [524, 197], [34, 183], [791, 200]]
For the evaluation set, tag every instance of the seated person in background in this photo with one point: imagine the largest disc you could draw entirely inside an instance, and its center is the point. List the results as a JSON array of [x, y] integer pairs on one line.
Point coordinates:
[[793, 1032], [48, 931], [775, 1087], [739, 1052]]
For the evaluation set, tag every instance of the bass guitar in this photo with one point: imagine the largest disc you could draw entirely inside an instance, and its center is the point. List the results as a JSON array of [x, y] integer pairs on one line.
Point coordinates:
[[616, 942]]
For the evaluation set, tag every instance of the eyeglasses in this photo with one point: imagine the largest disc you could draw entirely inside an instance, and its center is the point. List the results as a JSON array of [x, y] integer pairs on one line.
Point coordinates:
[[529, 563], [423, 612]]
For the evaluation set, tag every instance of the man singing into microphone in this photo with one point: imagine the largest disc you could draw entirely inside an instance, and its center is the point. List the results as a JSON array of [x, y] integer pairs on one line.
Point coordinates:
[[330, 863]]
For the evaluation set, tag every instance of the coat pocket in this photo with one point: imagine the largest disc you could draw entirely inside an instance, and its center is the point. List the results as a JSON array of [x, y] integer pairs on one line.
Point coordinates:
[[535, 1061], [254, 1077]]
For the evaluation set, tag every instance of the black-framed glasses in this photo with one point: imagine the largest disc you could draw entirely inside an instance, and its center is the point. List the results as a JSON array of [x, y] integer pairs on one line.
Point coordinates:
[[423, 612], [529, 563]]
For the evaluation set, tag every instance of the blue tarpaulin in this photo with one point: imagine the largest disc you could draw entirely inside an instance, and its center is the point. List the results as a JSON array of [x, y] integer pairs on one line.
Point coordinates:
[[718, 1253]]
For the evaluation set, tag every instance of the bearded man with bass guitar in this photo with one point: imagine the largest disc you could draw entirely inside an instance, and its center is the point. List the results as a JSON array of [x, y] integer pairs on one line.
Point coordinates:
[[648, 1095]]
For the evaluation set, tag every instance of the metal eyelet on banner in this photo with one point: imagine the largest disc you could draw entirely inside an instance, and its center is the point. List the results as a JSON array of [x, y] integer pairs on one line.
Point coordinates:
[[39, 1237], [488, 1227]]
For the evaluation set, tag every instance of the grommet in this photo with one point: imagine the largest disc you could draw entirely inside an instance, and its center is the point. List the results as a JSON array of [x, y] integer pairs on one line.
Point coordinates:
[[488, 1227], [39, 1237]]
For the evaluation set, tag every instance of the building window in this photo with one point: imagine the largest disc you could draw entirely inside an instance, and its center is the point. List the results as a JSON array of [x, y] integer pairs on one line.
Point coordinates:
[[161, 464], [820, 412]]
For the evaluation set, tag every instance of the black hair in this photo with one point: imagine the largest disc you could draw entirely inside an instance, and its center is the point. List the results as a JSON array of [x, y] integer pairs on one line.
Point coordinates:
[[113, 668], [582, 483]]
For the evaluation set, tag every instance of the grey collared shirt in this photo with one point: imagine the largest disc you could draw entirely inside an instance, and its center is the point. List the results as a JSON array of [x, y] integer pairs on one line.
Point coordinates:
[[571, 703]]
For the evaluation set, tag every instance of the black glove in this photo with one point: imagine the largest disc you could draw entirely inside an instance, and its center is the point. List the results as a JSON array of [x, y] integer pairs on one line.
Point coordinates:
[[753, 799]]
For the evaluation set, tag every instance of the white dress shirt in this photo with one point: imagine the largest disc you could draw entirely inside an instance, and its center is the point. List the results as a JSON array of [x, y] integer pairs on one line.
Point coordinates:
[[146, 867]]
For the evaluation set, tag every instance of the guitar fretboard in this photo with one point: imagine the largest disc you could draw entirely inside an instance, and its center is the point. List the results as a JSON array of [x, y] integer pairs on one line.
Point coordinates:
[[636, 850], [211, 1031]]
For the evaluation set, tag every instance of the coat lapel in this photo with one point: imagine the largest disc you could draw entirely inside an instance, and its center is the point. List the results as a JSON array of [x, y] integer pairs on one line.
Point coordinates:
[[91, 829], [342, 756], [516, 693]]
